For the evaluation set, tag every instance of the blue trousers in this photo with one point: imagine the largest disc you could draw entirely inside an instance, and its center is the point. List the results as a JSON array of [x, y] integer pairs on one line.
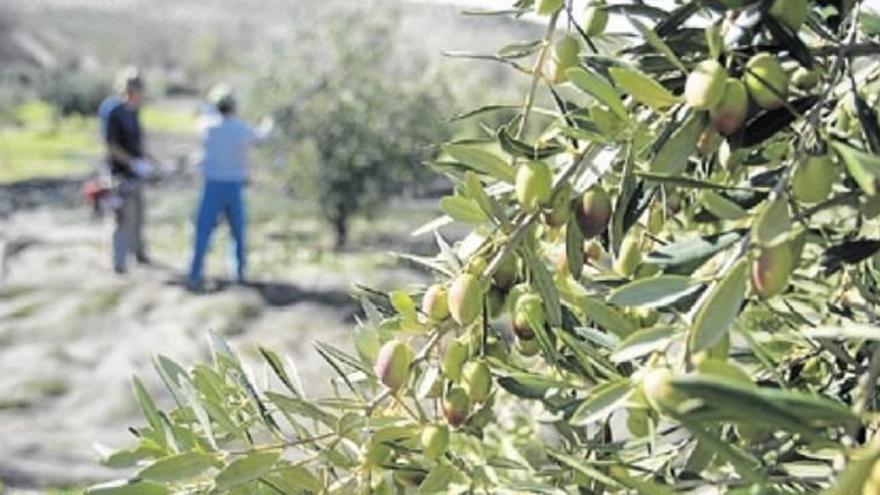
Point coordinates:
[[219, 198]]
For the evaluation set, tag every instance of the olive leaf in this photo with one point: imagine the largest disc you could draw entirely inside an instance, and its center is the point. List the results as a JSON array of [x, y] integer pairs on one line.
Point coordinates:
[[720, 308], [643, 88], [599, 88], [653, 292], [672, 158], [481, 161]]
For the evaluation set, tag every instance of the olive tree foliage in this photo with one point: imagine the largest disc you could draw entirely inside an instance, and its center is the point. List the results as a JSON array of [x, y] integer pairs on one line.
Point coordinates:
[[644, 305], [357, 122]]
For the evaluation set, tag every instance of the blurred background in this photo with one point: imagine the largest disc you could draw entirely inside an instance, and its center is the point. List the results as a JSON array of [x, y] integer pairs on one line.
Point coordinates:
[[361, 95]]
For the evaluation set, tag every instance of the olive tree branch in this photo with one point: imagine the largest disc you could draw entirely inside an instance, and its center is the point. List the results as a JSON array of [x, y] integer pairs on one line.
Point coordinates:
[[812, 117], [537, 71]]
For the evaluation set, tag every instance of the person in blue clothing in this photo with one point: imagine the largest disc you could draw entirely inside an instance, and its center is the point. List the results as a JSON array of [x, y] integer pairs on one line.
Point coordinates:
[[225, 140]]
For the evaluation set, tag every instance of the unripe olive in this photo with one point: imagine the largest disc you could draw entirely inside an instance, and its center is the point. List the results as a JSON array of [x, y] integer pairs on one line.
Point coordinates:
[[708, 142], [515, 293], [637, 422], [792, 13], [771, 269], [730, 112], [409, 476], [658, 389], [435, 440], [803, 78], [869, 206], [565, 55], [630, 255], [375, 454], [495, 302], [547, 7], [529, 307], [704, 87], [476, 380], [609, 123], [435, 304], [507, 272], [766, 81], [812, 179], [595, 19], [593, 251], [453, 360], [534, 185], [655, 218], [560, 208], [465, 299], [456, 405], [477, 265], [593, 212], [528, 347], [392, 364], [875, 472]]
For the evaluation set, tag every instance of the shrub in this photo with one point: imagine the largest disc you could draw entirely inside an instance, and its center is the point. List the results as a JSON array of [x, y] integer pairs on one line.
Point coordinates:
[[712, 332]]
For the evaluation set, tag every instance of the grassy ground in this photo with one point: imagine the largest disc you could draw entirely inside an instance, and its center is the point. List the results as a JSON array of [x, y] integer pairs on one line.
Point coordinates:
[[41, 145]]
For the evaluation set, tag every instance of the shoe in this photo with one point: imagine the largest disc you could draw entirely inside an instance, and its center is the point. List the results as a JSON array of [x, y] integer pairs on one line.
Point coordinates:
[[195, 286], [120, 270], [143, 259]]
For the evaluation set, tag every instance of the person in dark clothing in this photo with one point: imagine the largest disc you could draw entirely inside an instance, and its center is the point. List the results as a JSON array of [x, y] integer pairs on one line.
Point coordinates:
[[129, 166]]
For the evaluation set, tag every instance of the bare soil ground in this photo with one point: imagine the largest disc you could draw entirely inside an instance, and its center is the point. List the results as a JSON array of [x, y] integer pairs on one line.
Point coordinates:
[[72, 333]]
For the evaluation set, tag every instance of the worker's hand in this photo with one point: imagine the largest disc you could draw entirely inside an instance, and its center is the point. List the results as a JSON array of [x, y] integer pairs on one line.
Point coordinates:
[[141, 168], [267, 125]]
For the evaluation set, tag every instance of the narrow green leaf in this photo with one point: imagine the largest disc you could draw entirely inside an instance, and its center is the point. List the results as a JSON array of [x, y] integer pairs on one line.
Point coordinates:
[[672, 158], [720, 308], [772, 224], [862, 166], [643, 342], [601, 401], [655, 41], [654, 292], [691, 251], [295, 479], [246, 469], [574, 248], [439, 478], [127, 487], [546, 287], [463, 210], [481, 161], [643, 88], [582, 467], [720, 206], [476, 192], [151, 413], [178, 467], [599, 88], [605, 316]]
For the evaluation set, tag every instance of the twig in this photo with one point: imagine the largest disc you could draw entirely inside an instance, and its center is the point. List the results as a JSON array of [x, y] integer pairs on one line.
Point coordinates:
[[537, 70]]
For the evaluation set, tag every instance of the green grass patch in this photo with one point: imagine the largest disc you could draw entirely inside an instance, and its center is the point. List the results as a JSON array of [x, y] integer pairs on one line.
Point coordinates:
[[159, 118], [44, 150], [100, 302]]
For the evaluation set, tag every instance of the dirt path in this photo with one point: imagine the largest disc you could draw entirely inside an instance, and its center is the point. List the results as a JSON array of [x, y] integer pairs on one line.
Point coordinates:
[[72, 334]]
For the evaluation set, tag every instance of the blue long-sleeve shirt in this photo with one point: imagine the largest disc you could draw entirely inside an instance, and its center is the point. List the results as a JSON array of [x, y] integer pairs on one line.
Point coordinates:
[[225, 142]]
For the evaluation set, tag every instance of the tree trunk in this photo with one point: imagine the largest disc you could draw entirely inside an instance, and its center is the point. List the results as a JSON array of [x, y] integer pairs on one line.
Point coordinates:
[[341, 226]]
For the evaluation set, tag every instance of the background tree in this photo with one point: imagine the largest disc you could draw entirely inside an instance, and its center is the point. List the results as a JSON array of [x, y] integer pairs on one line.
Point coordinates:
[[671, 285], [357, 122]]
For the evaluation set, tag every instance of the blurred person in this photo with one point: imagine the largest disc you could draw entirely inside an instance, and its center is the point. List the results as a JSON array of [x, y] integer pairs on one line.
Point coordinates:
[[225, 142], [129, 167]]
